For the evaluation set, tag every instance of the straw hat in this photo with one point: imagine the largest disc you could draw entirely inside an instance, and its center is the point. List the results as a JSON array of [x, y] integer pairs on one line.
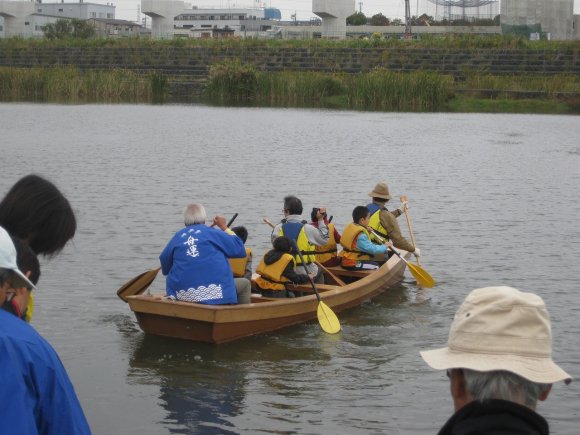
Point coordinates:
[[500, 328], [381, 190]]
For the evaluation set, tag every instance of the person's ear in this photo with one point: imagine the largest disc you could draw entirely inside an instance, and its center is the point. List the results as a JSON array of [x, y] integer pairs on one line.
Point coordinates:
[[544, 394], [458, 388], [28, 273]]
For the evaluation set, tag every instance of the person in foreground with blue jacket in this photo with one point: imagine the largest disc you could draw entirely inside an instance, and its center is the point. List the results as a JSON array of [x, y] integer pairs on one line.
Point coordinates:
[[36, 393], [196, 264]]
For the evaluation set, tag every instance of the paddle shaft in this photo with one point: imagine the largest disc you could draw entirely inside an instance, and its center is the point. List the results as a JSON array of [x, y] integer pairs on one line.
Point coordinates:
[[378, 236], [404, 198], [232, 220]]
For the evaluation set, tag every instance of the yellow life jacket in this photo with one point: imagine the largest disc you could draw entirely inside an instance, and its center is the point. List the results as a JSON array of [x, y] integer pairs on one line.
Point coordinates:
[[296, 231], [350, 254], [238, 265], [328, 251], [271, 274], [375, 224]]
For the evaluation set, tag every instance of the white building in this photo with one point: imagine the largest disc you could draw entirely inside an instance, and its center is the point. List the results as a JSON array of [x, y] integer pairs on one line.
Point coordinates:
[[26, 19], [170, 18]]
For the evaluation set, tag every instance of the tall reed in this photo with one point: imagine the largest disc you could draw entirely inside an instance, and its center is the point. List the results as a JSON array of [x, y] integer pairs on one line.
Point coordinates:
[[232, 81], [387, 90], [69, 85], [298, 88]]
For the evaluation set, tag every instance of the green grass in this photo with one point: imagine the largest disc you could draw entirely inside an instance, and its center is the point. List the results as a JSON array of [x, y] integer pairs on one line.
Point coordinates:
[[499, 42], [478, 105], [69, 85]]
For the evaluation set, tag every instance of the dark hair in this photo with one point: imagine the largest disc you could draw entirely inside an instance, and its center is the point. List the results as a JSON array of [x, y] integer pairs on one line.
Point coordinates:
[[37, 212], [293, 205], [27, 260], [241, 232], [282, 244], [381, 200], [359, 213], [5, 275]]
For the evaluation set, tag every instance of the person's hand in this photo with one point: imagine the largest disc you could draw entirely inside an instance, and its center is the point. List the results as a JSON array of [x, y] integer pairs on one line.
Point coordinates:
[[404, 205], [310, 277], [389, 245], [220, 221], [417, 253]]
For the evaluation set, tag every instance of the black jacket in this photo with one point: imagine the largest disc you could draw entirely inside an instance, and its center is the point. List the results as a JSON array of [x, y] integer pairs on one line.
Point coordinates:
[[296, 278], [495, 417]]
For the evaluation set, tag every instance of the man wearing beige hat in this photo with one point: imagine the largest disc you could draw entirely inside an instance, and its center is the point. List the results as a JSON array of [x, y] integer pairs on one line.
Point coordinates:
[[384, 222], [499, 362]]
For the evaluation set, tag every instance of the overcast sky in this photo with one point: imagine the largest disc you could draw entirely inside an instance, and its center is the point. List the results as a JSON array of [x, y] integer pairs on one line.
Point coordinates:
[[128, 9]]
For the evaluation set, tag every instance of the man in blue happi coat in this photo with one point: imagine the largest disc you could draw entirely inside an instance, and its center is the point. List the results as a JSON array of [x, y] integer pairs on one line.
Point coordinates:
[[196, 261]]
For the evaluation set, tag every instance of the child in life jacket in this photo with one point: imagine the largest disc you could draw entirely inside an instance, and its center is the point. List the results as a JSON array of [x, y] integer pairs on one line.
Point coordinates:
[[277, 268], [242, 267], [358, 252]]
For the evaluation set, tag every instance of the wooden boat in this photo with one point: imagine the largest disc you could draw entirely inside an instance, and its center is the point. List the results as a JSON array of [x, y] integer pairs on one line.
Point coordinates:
[[222, 323]]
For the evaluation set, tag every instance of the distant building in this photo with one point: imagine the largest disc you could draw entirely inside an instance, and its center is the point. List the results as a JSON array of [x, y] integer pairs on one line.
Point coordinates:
[[169, 18], [26, 19], [115, 28]]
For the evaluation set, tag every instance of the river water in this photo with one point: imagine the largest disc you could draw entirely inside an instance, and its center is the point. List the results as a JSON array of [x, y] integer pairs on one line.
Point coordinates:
[[493, 200]]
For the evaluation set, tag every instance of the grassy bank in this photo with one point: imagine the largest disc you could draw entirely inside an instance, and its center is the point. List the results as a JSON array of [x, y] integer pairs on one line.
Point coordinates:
[[434, 73], [449, 41], [69, 85], [236, 83]]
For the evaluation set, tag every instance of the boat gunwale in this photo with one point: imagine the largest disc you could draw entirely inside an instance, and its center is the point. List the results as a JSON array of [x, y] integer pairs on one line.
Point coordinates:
[[284, 307]]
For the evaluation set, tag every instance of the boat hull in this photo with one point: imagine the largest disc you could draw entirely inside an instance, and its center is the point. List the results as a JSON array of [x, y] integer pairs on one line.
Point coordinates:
[[223, 323]]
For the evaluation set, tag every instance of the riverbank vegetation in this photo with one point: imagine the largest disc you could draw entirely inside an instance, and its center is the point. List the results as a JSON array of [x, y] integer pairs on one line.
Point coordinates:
[[348, 74], [449, 41], [70, 85], [380, 89]]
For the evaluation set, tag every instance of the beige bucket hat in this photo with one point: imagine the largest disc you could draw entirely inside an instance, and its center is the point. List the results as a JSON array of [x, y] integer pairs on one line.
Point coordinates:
[[381, 190], [501, 328]]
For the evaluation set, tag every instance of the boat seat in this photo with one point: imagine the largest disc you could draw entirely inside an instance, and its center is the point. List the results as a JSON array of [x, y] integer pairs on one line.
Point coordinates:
[[337, 270]]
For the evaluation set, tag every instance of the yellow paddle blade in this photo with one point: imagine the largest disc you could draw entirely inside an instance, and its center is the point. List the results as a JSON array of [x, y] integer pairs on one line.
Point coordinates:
[[421, 275], [327, 319], [138, 284]]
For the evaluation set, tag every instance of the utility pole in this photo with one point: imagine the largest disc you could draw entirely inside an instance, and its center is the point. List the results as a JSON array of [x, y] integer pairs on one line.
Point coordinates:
[[360, 7], [408, 32]]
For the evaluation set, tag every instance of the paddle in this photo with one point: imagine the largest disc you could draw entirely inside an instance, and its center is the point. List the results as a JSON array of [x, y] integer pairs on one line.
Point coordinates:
[[403, 199], [423, 278], [142, 282], [138, 284], [326, 317]]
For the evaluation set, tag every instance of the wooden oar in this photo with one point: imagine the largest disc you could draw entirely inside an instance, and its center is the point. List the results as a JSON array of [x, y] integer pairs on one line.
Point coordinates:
[[336, 279], [138, 284], [326, 317], [423, 278], [403, 199], [142, 282]]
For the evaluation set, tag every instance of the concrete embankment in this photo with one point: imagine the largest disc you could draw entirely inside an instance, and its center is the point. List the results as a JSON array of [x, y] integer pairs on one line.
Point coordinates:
[[186, 68]]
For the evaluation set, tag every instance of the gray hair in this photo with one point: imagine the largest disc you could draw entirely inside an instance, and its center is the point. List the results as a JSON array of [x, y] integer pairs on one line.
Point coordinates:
[[194, 214], [501, 384]]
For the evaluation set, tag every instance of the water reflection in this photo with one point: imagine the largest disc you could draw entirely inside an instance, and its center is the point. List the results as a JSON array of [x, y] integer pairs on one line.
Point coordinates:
[[200, 387]]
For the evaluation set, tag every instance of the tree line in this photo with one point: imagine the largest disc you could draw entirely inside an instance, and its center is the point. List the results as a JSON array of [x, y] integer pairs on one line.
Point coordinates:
[[360, 19]]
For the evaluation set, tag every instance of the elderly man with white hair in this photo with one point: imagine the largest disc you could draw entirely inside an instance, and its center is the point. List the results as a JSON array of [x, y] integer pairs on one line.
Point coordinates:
[[499, 362], [196, 261]]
